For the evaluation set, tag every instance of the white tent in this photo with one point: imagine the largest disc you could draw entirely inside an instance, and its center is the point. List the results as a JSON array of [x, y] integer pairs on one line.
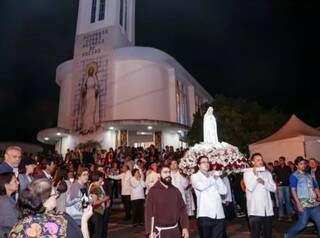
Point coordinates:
[[293, 139]]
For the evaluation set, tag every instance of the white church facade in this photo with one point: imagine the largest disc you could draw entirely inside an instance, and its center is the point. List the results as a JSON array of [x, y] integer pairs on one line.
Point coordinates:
[[119, 94]]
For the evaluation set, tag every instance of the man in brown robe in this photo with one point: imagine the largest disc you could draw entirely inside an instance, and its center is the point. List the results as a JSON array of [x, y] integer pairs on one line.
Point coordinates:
[[165, 204]]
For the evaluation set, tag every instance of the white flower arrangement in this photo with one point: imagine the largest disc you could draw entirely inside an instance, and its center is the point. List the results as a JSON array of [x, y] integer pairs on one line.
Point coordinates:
[[222, 157]]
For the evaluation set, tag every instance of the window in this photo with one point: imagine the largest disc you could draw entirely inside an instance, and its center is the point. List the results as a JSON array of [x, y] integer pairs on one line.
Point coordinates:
[[125, 14], [198, 103], [102, 9], [181, 100], [121, 12], [93, 11]]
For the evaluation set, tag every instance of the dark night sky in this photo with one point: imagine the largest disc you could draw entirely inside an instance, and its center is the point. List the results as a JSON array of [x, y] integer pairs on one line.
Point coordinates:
[[264, 50]]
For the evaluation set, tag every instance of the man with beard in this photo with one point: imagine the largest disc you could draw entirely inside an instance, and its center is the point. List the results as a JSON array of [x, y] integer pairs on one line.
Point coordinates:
[[165, 205]]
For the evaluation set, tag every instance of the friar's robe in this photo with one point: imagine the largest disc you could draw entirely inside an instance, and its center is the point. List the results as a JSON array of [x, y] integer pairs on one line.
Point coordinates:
[[168, 208]]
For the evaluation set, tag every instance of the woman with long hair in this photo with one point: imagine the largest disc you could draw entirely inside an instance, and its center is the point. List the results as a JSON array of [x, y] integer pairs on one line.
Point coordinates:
[[9, 185], [26, 170], [61, 185]]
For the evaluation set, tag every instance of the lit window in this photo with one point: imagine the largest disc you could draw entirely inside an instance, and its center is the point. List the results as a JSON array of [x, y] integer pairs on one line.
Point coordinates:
[[93, 11]]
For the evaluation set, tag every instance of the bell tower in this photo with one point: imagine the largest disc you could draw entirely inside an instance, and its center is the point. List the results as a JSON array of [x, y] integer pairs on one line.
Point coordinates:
[[116, 15], [102, 27]]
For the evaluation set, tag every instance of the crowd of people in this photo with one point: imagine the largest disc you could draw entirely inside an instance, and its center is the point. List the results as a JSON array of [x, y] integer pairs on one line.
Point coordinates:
[[71, 196]]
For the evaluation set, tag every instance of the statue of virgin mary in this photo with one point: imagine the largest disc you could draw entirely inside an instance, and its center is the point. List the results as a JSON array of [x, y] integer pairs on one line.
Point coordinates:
[[90, 99], [210, 135]]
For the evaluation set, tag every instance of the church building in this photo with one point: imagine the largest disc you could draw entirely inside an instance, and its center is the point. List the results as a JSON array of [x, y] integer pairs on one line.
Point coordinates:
[[116, 93]]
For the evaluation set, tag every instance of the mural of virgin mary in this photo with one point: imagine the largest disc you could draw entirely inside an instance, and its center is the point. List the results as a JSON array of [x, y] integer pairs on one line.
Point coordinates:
[[89, 104]]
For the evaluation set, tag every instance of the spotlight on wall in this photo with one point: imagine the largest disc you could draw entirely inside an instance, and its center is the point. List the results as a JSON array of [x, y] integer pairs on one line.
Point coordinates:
[[111, 128], [58, 134], [149, 127], [46, 138], [180, 131]]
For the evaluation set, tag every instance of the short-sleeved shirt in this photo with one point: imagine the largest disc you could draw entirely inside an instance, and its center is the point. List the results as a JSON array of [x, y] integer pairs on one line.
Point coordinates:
[[305, 186]]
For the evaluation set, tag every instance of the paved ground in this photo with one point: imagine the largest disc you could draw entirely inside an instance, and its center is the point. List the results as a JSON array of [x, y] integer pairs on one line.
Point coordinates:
[[236, 229]]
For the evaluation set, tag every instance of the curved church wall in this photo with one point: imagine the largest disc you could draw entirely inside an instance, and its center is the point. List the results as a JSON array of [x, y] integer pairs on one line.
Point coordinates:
[[143, 90], [64, 79]]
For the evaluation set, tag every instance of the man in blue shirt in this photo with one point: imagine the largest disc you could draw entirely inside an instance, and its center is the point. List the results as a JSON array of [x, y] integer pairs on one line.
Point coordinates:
[[306, 195]]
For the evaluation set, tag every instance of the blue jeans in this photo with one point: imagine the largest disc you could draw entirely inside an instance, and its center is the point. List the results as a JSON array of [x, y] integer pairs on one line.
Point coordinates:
[[311, 212], [284, 201]]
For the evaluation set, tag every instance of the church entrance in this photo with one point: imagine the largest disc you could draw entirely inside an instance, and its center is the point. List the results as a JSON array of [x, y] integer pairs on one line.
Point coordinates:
[[140, 138]]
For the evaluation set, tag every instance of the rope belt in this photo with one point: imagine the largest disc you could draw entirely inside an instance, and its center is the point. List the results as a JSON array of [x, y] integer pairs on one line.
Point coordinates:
[[159, 229]]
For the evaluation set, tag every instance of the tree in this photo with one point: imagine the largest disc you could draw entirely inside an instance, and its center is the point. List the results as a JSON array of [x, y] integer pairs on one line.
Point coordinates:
[[240, 122]]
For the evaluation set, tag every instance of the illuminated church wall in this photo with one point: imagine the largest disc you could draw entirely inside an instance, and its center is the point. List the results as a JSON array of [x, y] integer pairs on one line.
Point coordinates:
[[141, 91], [64, 80], [112, 83]]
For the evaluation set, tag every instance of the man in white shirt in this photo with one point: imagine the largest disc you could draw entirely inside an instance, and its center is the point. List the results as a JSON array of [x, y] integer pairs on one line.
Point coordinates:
[[178, 180], [209, 189], [259, 203], [152, 176], [125, 177]]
